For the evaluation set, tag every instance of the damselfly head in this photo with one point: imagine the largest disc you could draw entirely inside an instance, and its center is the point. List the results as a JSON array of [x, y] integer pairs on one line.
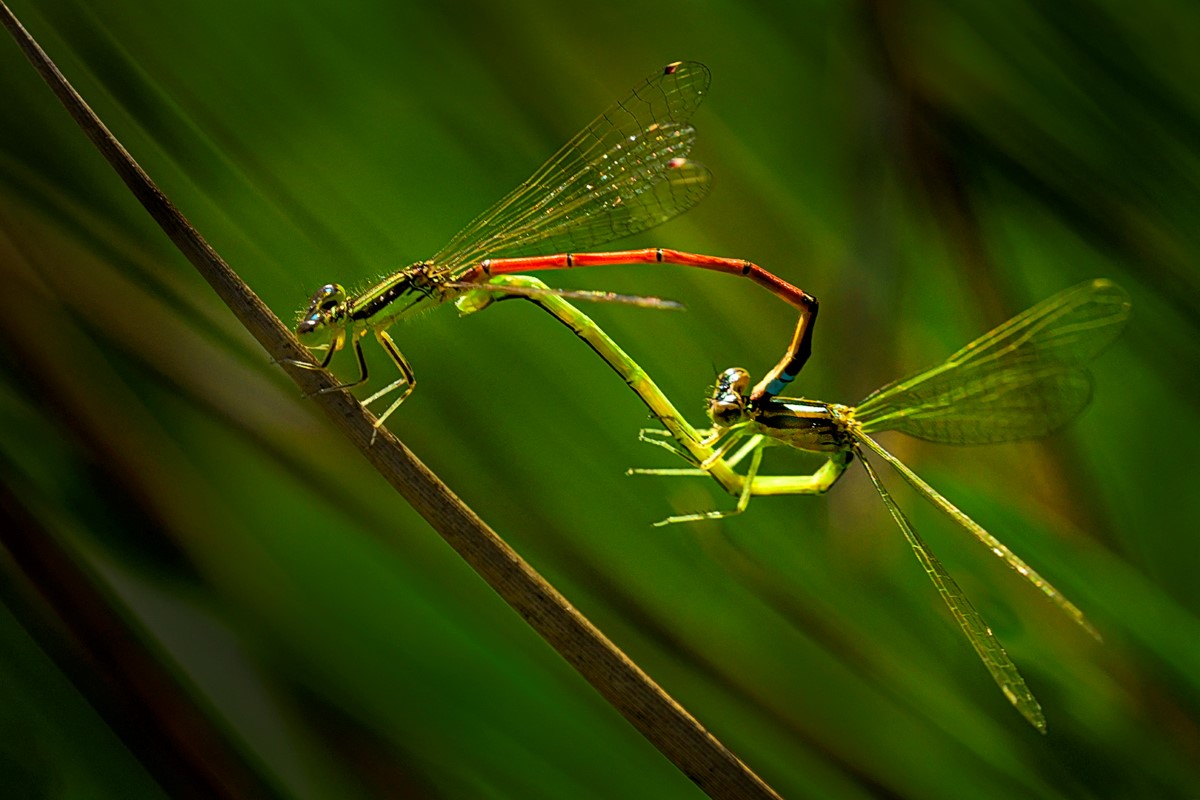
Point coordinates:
[[325, 310], [728, 403]]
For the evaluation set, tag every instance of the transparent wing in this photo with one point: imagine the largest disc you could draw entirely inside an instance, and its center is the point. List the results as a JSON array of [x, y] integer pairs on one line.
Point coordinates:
[[1006, 405], [624, 173], [1021, 380], [990, 651], [998, 548]]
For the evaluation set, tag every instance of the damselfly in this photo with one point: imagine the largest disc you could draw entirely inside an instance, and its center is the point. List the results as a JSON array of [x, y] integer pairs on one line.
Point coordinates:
[[625, 172], [1024, 379], [688, 439]]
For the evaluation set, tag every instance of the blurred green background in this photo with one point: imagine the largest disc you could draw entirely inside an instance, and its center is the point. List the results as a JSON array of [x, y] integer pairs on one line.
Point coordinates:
[[192, 554]]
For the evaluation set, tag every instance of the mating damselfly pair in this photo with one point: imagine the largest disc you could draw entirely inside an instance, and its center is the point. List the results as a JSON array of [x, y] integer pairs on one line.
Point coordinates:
[[629, 171]]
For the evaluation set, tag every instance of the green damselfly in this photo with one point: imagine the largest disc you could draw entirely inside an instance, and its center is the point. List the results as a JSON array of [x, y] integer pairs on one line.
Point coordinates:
[[1024, 379], [625, 172]]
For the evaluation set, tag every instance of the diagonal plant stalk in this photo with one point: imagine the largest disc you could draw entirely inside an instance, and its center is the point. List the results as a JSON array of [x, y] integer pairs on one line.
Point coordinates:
[[658, 717]]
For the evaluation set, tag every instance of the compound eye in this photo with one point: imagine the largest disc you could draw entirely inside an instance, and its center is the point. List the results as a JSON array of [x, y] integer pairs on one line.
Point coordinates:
[[734, 381], [328, 296], [322, 308], [728, 403], [725, 411], [309, 324]]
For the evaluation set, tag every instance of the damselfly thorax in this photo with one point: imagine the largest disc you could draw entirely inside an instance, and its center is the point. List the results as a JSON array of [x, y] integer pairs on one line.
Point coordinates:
[[331, 310], [807, 425]]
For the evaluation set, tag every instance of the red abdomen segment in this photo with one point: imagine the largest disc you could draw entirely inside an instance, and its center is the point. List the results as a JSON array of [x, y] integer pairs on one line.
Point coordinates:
[[774, 382]]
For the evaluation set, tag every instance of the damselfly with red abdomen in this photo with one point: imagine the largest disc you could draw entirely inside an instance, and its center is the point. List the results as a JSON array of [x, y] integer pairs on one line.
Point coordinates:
[[625, 172]]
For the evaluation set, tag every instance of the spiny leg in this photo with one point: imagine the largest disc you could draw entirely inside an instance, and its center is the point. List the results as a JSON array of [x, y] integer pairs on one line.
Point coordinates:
[[661, 438], [732, 461], [407, 378], [756, 485], [330, 349], [743, 496], [818, 482], [295, 362], [722, 441], [362, 369]]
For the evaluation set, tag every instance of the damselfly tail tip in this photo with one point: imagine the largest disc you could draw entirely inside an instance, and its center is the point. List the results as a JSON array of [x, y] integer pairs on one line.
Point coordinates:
[[1090, 628], [635, 300]]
